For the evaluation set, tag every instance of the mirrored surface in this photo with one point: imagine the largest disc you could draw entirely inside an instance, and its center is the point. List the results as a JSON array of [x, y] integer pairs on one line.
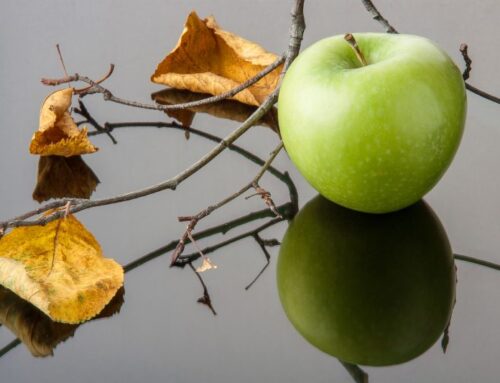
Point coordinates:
[[162, 332]]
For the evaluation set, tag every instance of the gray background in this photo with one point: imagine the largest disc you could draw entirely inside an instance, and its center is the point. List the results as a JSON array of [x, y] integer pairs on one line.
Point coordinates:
[[161, 334]]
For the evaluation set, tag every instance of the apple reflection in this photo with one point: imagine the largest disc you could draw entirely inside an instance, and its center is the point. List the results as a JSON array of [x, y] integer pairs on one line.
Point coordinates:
[[368, 289]]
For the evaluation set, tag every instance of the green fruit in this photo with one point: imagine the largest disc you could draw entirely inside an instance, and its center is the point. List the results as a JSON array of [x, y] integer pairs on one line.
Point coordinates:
[[372, 138], [367, 289]]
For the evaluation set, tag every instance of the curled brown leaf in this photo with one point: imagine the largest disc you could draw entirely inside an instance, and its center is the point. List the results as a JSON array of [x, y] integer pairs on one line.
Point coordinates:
[[210, 60], [58, 133]]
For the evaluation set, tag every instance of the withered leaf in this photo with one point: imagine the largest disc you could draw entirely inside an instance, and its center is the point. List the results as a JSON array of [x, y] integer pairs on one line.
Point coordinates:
[[210, 60], [60, 177], [58, 133], [206, 265], [60, 269], [36, 330], [228, 109]]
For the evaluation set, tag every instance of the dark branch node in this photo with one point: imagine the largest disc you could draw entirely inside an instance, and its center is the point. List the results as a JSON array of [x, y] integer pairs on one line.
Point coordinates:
[[468, 61], [205, 298]]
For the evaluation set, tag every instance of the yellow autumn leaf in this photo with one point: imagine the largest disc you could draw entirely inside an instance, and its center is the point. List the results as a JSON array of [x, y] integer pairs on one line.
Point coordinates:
[[227, 109], [36, 330], [60, 269], [58, 133], [210, 60], [60, 177]]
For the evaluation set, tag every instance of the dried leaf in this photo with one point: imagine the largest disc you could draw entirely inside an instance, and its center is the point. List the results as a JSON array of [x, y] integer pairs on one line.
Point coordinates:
[[184, 116], [36, 330], [210, 60], [228, 109], [60, 269], [58, 134], [207, 264], [60, 177]]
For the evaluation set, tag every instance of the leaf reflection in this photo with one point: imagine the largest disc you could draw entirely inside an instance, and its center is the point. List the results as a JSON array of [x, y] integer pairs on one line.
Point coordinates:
[[36, 330], [60, 177], [227, 109]]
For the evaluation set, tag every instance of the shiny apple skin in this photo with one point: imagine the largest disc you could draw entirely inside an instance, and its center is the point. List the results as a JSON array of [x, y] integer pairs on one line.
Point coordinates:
[[372, 138]]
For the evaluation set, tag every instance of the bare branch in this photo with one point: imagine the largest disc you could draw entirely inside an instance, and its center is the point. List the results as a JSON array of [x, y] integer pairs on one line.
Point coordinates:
[[445, 340], [108, 96], [296, 32], [183, 260], [171, 183], [193, 220], [84, 91], [377, 16], [266, 196], [67, 79], [285, 209], [477, 261], [482, 93], [16, 342], [262, 245], [205, 299], [82, 111], [468, 61], [468, 67], [370, 7], [284, 177], [61, 60], [356, 372]]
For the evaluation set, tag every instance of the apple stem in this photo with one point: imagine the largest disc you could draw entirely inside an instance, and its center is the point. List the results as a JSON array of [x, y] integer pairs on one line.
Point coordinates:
[[354, 45]]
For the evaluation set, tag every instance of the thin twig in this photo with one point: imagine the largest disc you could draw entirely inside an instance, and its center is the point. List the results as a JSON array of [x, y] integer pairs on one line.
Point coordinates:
[[296, 33], [468, 61], [183, 260], [285, 177], [82, 111], [468, 67], [83, 91], [169, 184], [108, 96], [285, 209], [10, 346], [67, 79], [194, 219], [356, 372], [111, 126], [477, 261], [370, 7], [445, 340], [205, 299], [266, 196], [262, 245], [482, 93], [377, 16], [61, 59]]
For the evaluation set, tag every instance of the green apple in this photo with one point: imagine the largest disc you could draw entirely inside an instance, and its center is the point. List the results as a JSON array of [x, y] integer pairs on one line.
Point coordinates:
[[375, 137], [367, 289]]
